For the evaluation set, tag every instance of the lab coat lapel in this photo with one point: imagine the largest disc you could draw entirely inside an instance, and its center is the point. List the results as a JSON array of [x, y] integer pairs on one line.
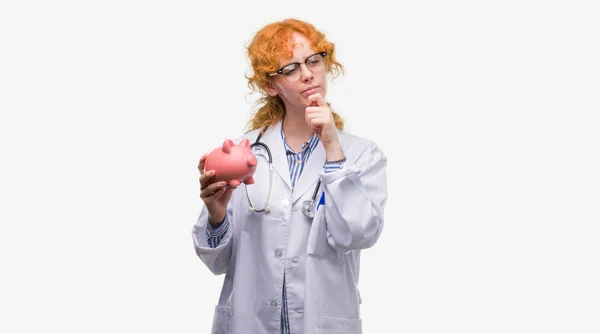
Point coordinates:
[[272, 138], [310, 174]]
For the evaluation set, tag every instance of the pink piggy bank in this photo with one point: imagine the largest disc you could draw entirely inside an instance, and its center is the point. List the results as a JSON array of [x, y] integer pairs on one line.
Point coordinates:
[[232, 163]]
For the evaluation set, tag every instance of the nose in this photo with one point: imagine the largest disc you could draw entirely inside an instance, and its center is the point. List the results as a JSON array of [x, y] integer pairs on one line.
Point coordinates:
[[307, 74]]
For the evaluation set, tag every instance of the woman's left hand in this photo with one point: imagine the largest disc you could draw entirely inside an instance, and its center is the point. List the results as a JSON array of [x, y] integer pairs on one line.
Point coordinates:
[[319, 117]]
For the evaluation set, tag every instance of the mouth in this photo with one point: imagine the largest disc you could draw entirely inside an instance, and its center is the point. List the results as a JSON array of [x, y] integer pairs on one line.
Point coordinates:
[[310, 90]]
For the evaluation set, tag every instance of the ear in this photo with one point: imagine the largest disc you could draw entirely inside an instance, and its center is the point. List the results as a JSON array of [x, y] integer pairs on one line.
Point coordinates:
[[227, 145], [270, 89], [245, 142]]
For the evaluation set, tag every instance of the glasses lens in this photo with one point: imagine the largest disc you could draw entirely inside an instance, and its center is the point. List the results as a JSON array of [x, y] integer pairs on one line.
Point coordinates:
[[290, 69], [293, 72], [316, 62]]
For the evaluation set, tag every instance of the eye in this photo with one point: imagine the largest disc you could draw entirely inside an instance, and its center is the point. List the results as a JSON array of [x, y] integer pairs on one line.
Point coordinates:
[[290, 69]]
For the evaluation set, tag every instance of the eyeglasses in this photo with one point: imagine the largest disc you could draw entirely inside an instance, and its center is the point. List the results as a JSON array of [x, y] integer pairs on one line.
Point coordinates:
[[293, 72]]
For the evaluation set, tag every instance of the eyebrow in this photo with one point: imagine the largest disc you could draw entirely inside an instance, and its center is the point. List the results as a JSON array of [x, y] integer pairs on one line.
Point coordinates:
[[296, 62]]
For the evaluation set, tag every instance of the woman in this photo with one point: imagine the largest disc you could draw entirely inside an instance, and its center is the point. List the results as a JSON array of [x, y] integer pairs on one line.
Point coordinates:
[[287, 272]]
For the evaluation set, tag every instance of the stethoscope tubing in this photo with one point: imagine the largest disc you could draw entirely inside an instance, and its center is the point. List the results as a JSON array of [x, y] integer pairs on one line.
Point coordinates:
[[307, 206]]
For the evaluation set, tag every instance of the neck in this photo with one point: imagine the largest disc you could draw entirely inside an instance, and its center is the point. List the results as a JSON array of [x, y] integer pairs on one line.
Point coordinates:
[[295, 127]]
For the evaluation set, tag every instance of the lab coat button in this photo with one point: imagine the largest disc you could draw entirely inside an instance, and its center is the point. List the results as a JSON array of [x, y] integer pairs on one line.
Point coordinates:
[[285, 203], [295, 261], [278, 253], [273, 303]]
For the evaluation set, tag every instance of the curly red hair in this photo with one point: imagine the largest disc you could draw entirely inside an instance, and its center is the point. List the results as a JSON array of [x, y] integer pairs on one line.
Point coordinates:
[[274, 42]]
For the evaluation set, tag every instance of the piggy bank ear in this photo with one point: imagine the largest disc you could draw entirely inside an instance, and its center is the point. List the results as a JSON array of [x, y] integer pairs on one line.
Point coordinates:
[[227, 145], [246, 143]]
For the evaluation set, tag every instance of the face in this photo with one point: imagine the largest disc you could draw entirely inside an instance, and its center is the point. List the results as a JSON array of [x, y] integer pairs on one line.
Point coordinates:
[[295, 94]]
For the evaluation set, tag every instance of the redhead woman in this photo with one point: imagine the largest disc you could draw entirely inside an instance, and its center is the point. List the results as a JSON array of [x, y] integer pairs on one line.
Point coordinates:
[[294, 267]]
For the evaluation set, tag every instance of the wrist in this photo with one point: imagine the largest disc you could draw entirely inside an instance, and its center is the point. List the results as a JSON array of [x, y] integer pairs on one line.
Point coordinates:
[[216, 220], [334, 152]]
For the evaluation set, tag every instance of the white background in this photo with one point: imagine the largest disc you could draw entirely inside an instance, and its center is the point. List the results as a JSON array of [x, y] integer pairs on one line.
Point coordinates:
[[487, 112]]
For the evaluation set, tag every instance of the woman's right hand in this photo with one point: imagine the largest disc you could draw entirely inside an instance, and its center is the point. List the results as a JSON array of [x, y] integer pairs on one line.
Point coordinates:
[[215, 194]]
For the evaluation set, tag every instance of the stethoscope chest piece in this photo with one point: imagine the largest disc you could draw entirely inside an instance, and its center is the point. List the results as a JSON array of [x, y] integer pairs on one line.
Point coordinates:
[[308, 208]]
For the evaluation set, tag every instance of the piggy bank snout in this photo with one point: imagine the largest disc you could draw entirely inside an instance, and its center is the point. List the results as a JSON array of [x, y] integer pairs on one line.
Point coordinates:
[[251, 161]]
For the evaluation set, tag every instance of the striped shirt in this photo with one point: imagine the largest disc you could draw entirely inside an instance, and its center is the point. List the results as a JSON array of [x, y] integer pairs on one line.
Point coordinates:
[[296, 163]]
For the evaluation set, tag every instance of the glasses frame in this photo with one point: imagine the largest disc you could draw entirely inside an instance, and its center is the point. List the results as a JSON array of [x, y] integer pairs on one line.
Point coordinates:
[[280, 71]]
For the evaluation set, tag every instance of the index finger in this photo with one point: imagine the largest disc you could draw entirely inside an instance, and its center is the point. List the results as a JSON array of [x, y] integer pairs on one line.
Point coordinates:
[[316, 100]]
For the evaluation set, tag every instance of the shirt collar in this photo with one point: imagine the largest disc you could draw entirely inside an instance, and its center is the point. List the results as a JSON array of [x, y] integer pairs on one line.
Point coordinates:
[[312, 143]]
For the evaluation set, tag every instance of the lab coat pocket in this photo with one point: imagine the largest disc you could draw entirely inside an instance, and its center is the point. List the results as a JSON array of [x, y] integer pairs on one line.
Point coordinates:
[[222, 320], [317, 245], [340, 326]]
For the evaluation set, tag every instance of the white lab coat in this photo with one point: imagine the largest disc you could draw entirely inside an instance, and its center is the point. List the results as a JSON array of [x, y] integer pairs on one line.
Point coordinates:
[[321, 257]]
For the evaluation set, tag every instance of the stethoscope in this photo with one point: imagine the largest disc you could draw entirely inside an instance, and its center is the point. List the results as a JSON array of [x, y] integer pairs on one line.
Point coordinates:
[[307, 207]]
